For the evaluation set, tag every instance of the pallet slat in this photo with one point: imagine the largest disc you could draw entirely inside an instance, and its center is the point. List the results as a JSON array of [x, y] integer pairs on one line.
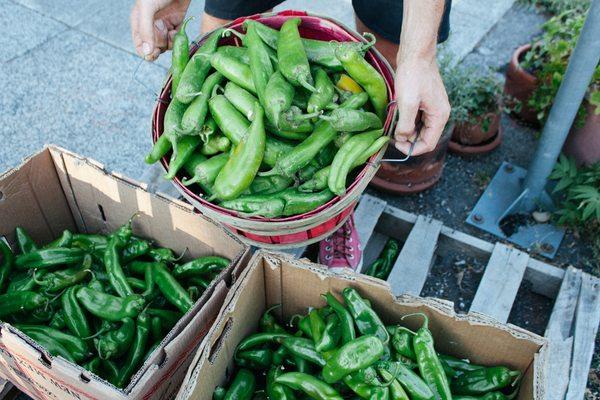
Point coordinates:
[[587, 318], [558, 332], [367, 215], [416, 257], [500, 282]]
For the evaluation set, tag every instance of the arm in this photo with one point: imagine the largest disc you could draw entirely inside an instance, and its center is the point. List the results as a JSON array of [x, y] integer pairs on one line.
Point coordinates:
[[419, 86]]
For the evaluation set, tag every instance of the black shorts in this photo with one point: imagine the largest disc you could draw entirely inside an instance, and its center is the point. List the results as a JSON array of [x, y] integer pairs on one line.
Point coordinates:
[[383, 17]]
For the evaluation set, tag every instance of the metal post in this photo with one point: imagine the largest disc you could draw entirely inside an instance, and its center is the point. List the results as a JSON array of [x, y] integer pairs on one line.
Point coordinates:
[[582, 63]]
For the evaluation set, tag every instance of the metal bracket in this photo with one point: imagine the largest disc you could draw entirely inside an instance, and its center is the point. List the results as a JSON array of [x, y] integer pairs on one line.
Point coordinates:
[[502, 200]]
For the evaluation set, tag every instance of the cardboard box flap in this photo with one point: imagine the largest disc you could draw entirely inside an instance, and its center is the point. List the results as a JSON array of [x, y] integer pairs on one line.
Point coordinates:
[[31, 196]]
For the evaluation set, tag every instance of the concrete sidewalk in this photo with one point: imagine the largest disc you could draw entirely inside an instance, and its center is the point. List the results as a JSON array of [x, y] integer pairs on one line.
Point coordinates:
[[66, 74]]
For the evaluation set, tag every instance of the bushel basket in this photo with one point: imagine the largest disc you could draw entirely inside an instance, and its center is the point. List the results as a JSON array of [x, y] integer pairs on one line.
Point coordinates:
[[303, 229]]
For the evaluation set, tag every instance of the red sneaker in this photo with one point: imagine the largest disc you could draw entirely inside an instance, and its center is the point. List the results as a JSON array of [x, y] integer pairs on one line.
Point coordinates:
[[342, 249]]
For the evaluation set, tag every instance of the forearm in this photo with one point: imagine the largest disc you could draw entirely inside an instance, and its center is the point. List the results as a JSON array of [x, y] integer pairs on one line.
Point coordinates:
[[420, 24]]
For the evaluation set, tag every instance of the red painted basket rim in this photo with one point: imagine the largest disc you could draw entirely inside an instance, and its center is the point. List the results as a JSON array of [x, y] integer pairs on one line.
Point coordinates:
[[373, 56]]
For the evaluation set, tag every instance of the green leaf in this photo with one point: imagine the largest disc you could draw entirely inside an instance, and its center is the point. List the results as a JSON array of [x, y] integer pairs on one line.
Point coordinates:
[[595, 101]]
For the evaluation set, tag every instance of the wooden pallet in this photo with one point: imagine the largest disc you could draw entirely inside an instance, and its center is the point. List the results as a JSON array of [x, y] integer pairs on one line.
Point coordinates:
[[575, 317]]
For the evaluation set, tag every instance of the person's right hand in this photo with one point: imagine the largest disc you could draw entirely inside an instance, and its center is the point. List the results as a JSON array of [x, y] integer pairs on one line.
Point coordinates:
[[154, 23]]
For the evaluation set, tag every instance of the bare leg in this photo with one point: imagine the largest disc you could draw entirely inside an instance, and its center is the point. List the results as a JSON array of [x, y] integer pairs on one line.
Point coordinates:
[[209, 23], [387, 48]]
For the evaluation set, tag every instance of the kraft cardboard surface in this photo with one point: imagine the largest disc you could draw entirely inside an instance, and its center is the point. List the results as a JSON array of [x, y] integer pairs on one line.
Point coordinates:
[[56, 190], [273, 278]]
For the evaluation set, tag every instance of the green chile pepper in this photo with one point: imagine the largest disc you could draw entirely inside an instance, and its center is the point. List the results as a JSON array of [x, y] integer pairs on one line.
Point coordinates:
[[23, 281], [51, 345], [388, 257], [8, 259], [136, 352], [260, 62], [65, 240], [58, 320], [458, 364], [487, 396], [345, 158], [297, 202], [180, 55], [230, 121], [215, 145], [243, 164], [325, 93], [264, 205], [25, 242], [76, 347], [172, 289], [320, 178], [366, 319], [353, 356], [200, 266], [237, 52], [167, 317], [269, 184], [109, 307], [303, 348], [234, 70], [331, 335], [114, 270], [344, 316], [258, 339], [110, 371], [194, 116], [47, 258], [135, 248], [74, 316], [206, 171], [396, 390], [11, 303], [168, 139], [186, 147], [242, 386], [317, 325], [301, 155], [94, 366], [483, 380], [430, 367], [268, 323], [366, 76], [255, 358], [278, 97], [416, 387], [197, 69], [402, 343], [343, 120], [310, 385], [276, 391], [161, 254], [291, 55], [115, 343], [58, 280], [136, 283]]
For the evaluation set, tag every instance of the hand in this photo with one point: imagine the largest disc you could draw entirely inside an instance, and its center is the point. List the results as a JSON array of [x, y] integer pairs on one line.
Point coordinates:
[[154, 23], [419, 87]]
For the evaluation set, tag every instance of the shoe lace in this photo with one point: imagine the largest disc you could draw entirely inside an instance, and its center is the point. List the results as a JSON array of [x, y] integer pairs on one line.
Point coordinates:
[[340, 245]]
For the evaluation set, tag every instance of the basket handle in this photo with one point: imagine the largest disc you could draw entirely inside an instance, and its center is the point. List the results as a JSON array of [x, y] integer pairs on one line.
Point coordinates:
[[392, 105]]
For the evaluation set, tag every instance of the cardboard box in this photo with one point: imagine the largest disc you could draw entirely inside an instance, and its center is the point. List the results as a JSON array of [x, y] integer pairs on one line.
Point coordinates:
[[56, 190], [273, 278]]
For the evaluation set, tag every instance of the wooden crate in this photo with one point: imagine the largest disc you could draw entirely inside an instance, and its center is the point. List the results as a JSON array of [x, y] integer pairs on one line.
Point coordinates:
[[573, 323]]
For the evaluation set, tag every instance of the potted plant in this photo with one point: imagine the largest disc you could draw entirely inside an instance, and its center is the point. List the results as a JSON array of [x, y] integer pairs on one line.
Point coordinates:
[[476, 101], [415, 174], [534, 76]]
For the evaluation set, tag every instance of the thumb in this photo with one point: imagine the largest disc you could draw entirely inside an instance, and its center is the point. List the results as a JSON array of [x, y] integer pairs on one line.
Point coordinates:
[[146, 10]]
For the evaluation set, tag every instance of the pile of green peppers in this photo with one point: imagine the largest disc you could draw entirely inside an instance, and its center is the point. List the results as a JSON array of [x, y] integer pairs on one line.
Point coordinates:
[[382, 267], [104, 302], [344, 351], [273, 127]]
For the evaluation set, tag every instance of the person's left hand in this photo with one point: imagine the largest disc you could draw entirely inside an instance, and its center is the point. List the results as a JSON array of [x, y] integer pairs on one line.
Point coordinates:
[[419, 88]]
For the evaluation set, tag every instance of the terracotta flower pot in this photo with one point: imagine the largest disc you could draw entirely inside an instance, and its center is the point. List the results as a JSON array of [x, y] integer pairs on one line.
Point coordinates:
[[583, 143], [417, 173], [520, 84], [472, 139]]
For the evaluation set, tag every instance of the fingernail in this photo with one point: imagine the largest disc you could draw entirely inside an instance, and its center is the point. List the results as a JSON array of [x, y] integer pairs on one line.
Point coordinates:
[[160, 25], [146, 49]]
